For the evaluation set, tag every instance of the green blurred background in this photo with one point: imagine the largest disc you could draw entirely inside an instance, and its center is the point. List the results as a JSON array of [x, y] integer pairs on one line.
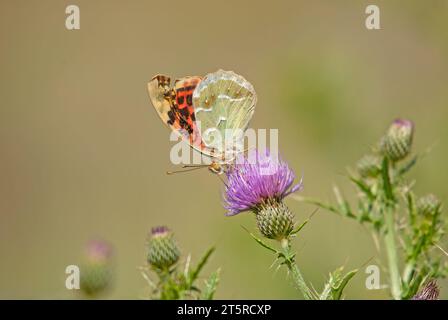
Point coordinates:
[[83, 154]]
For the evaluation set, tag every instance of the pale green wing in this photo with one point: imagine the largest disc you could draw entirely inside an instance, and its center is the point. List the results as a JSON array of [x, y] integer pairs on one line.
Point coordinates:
[[224, 103]]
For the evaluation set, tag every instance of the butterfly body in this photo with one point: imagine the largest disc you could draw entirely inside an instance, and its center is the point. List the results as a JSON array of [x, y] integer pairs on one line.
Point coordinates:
[[210, 113]]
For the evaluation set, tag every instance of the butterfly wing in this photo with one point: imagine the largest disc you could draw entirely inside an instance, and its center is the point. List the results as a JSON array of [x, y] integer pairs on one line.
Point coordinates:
[[224, 102], [175, 107]]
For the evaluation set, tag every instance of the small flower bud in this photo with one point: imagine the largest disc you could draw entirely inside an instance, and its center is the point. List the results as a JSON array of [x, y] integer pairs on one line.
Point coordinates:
[[369, 166], [274, 220], [162, 249], [428, 205], [429, 292], [397, 142], [97, 271]]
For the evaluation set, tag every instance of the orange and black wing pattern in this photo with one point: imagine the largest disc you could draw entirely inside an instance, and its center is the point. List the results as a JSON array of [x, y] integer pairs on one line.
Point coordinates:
[[175, 106]]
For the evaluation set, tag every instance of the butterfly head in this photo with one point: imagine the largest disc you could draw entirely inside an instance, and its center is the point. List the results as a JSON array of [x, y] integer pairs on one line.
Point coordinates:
[[216, 168]]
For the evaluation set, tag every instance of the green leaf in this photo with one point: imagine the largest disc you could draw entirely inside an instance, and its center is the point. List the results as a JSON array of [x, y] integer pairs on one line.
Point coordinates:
[[343, 204], [410, 197], [363, 187], [346, 212], [195, 272], [408, 166], [365, 210], [300, 227], [339, 288], [336, 284], [318, 203], [210, 286], [260, 242], [303, 224]]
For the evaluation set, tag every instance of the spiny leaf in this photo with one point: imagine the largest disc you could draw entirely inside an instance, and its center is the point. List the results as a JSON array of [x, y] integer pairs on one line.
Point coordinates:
[[336, 284], [210, 286], [300, 227], [146, 277], [408, 166], [304, 223], [340, 286], [260, 242], [195, 272], [411, 207], [364, 187], [318, 203], [343, 204]]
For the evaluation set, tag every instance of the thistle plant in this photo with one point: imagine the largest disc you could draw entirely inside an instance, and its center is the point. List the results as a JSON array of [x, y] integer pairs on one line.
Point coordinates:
[[259, 183], [97, 269], [430, 291], [411, 227], [163, 252], [173, 282]]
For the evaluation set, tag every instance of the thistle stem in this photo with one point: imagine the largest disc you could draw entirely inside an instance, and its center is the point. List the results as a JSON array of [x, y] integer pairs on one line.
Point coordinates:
[[294, 269], [391, 249], [408, 272]]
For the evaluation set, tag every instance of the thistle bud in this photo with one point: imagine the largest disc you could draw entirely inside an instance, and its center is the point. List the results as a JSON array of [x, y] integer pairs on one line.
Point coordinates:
[[428, 205], [162, 249], [97, 271], [369, 166], [274, 220], [397, 142], [429, 292]]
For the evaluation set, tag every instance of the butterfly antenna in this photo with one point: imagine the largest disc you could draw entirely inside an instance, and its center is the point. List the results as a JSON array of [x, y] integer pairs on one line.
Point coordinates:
[[190, 168], [195, 165]]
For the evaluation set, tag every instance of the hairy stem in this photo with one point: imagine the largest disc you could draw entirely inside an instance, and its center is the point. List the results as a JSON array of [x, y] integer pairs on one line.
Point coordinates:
[[294, 269], [391, 249]]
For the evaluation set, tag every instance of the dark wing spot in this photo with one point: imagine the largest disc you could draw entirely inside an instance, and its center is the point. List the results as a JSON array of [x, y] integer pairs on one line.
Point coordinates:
[[185, 113], [172, 117], [187, 88], [185, 125]]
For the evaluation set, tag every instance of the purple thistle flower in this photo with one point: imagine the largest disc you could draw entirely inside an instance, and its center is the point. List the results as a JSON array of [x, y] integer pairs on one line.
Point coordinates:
[[404, 123], [159, 231], [257, 179], [98, 250], [429, 292]]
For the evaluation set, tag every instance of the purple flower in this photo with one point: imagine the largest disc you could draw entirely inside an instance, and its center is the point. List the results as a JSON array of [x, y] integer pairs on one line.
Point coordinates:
[[159, 231], [257, 179], [403, 123], [429, 292], [98, 250]]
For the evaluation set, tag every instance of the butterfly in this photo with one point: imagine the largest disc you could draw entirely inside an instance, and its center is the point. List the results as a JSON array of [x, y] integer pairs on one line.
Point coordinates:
[[210, 113]]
